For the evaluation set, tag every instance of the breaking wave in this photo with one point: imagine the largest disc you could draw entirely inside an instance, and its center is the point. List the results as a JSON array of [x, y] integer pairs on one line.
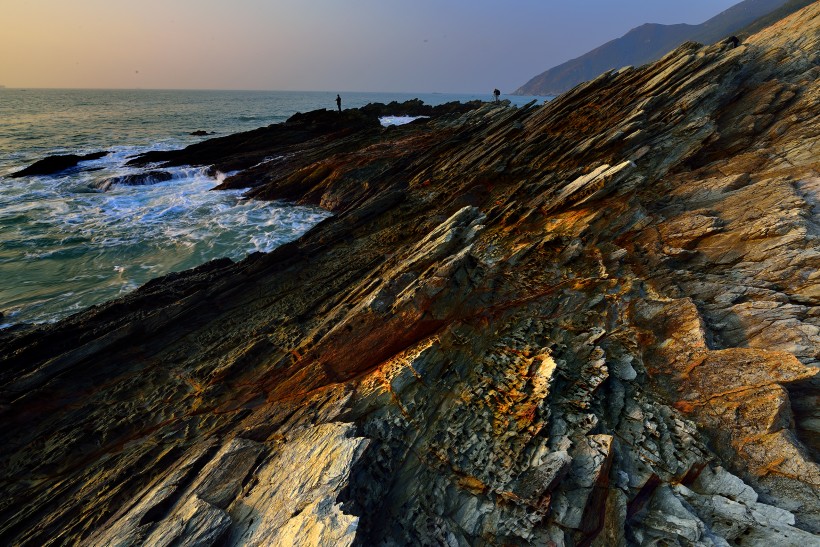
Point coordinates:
[[66, 245]]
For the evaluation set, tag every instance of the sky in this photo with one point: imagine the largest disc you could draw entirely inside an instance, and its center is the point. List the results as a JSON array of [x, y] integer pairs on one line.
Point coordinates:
[[448, 46]]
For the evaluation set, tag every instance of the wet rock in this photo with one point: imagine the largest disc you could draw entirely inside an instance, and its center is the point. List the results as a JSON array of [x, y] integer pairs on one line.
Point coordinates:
[[138, 179], [55, 164]]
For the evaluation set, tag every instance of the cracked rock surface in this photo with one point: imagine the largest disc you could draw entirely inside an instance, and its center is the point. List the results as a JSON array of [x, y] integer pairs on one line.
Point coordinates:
[[589, 322]]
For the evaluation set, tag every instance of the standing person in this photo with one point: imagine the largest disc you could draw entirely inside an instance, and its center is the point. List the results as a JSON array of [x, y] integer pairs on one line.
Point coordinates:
[[338, 102], [496, 94]]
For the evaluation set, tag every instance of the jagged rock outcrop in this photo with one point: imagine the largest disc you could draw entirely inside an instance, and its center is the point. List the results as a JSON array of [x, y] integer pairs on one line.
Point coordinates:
[[320, 131], [590, 322]]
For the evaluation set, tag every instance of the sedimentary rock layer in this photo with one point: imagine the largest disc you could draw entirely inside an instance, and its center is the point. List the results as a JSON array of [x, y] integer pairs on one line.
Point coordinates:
[[589, 322]]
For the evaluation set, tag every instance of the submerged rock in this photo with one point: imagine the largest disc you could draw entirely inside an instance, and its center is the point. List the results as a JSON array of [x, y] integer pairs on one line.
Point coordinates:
[[55, 164], [138, 179], [590, 322]]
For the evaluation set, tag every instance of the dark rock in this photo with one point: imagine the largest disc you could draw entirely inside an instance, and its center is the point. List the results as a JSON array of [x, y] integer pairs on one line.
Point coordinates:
[[243, 150], [416, 107], [55, 164], [139, 179], [200, 133]]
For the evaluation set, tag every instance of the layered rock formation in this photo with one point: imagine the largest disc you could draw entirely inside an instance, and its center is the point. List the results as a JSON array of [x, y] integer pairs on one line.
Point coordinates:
[[590, 322]]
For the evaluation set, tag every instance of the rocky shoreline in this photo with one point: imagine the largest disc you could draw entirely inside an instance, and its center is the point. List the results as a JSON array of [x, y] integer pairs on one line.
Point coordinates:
[[590, 322]]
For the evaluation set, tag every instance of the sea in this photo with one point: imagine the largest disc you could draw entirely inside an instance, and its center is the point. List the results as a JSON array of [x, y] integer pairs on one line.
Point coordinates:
[[65, 245]]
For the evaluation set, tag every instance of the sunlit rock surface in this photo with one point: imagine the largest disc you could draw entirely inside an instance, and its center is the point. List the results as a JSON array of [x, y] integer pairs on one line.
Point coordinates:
[[590, 322]]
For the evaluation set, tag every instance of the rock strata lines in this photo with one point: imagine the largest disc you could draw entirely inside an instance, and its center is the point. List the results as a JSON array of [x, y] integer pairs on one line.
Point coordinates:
[[589, 322]]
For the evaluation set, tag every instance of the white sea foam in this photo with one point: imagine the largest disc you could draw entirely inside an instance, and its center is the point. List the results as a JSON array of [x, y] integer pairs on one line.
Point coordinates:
[[64, 247], [58, 235], [398, 120]]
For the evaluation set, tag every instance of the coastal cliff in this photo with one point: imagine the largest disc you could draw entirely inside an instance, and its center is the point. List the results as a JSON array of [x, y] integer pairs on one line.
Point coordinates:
[[588, 322]]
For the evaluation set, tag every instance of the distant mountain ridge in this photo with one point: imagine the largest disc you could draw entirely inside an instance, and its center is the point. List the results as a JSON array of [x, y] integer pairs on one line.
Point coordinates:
[[650, 42]]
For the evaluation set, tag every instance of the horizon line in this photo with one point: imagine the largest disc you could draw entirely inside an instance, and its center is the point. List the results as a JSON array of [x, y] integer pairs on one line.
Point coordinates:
[[24, 88]]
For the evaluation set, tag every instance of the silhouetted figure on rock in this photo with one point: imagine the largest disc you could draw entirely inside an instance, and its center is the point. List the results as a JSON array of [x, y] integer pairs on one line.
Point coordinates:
[[496, 94], [339, 102], [733, 41]]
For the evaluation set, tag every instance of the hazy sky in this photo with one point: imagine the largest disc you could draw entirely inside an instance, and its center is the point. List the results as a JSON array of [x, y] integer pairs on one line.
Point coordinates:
[[334, 45]]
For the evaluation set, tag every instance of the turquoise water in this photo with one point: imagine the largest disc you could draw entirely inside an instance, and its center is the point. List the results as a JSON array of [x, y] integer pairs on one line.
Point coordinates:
[[65, 246]]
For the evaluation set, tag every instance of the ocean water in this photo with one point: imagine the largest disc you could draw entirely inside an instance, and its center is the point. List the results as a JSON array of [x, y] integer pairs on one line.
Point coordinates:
[[65, 246]]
